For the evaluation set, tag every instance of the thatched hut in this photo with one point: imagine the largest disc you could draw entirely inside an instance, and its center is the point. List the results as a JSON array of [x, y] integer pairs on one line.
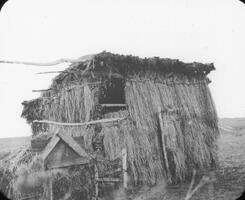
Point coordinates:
[[160, 110]]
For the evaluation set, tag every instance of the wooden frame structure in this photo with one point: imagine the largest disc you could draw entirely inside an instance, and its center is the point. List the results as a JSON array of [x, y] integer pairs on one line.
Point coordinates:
[[84, 158]]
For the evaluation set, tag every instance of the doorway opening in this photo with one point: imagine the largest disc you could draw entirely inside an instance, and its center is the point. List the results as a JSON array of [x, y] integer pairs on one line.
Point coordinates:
[[112, 96]]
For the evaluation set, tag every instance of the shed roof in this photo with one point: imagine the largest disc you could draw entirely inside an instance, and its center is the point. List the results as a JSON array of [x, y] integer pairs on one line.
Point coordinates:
[[124, 63]]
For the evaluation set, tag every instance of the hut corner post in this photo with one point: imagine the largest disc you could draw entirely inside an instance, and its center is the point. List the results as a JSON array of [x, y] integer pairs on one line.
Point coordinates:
[[124, 166], [163, 144], [50, 185], [96, 177]]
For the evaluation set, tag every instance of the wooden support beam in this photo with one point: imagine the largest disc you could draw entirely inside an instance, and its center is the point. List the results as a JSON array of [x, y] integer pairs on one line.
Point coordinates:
[[109, 180], [51, 72], [81, 124], [45, 90], [96, 177], [164, 144], [113, 105], [32, 196], [51, 187], [80, 161], [52, 143], [56, 62], [109, 173], [74, 145], [124, 166]]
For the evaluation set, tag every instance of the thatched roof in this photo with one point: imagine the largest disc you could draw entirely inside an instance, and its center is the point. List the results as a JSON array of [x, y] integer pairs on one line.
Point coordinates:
[[152, 63], [124, 63], [107, 64]]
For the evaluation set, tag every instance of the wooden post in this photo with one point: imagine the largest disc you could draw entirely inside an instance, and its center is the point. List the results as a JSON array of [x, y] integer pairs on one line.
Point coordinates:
[[163, 144], [124, 166], [96, 177], [51, 188]]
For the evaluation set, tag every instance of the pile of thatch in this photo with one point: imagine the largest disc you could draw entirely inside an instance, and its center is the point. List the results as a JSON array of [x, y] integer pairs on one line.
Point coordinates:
[[9, 166], [22, 174], [180, 90]]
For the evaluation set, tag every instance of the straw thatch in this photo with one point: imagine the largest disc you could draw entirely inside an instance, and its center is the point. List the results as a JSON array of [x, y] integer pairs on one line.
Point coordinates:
[[179, 89], [23, 175], [190, 131]]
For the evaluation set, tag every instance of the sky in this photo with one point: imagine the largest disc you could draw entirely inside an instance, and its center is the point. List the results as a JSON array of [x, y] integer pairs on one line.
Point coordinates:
[[188, 30]]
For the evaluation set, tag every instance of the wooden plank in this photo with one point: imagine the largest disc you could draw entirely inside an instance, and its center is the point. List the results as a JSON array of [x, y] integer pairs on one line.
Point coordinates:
[[51, 72], [56, 62], [54, 140], [81, 124], [51, 187], [163, 143], [124, 166], [109, 180], [74, 145], [113, 105], [96, 177], [45, 90], [30, 196], [80, 161], [109, 173]]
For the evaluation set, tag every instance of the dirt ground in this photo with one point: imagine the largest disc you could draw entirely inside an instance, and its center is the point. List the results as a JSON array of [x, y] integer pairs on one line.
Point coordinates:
[[230, 175]]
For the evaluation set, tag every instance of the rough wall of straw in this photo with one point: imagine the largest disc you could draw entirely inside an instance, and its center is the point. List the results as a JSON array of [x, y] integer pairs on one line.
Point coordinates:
[[191, 134], [72, 105], [144, 165], [68, 105], [71, 98]]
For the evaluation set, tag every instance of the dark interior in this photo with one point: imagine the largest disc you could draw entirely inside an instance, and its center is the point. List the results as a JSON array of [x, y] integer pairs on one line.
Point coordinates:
[[113, 93]]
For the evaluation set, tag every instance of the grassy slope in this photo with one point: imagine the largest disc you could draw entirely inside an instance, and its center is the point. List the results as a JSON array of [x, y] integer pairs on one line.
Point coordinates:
[[236, 123], [8, 145]]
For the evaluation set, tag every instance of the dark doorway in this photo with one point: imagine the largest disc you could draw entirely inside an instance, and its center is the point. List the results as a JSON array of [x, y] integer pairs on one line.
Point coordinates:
[[113, 92], [112, 96]]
